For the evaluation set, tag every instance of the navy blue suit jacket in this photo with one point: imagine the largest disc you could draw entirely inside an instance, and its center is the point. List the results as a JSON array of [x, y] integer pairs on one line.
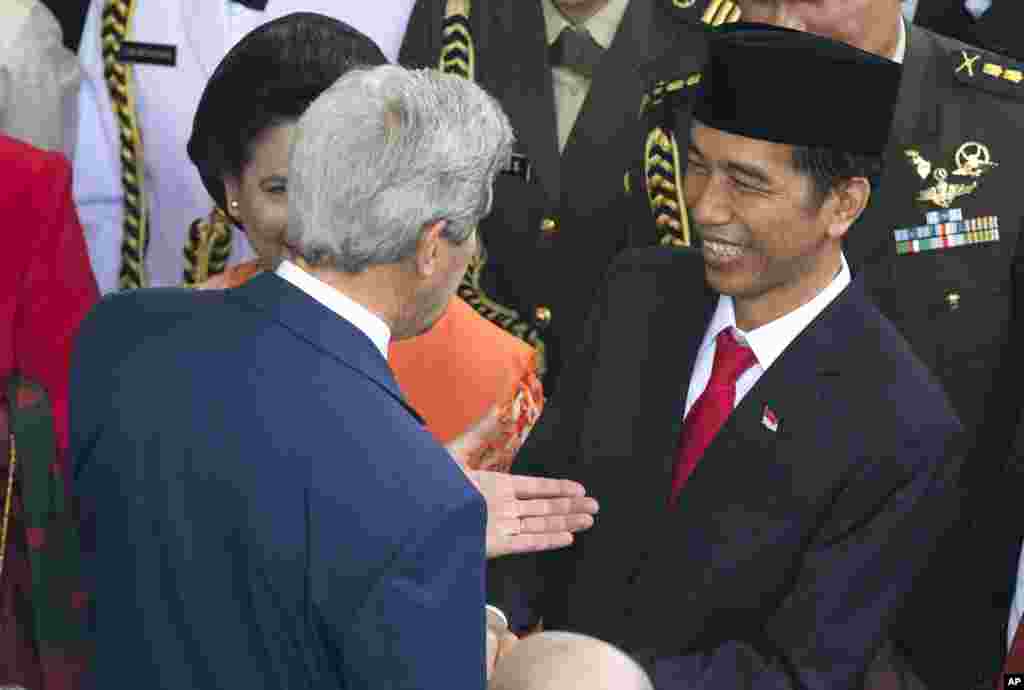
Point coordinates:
[[269, 512], [789, 550]]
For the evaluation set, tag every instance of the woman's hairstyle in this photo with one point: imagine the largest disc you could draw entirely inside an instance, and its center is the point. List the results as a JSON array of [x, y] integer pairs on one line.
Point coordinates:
[[269, 78]]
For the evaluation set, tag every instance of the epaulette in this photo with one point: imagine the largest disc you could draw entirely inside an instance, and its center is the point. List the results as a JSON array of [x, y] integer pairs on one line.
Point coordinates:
[[988, 71], [666, 88], [710, 12]]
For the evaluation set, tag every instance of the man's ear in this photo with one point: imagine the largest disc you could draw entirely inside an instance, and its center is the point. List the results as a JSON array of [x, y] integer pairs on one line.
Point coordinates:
[[429, 248], [845, 204]]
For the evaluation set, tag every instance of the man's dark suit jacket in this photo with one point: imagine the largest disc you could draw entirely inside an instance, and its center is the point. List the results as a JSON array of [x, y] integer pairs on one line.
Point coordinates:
[[547, 240], [269, 511], [789, 550]]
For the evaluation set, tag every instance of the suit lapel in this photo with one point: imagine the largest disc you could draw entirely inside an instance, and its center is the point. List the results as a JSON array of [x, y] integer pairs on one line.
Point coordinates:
[[613, 100], [915, 122], [332, 335], [522, 83]]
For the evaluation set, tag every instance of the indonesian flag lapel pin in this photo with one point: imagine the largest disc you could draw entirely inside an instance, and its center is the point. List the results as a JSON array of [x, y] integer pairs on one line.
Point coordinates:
[[769, 420]]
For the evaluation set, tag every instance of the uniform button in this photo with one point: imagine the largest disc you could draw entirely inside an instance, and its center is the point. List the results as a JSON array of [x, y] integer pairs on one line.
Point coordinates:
[[542, 315], [953, 301], [549, 226]]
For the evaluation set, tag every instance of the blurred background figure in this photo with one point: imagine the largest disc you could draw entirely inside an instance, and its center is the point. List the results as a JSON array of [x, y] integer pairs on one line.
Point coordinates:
[[46, 289], [146, 63], [39, 77], [71, 15], [455, 373], [994, 25], [567, 661]]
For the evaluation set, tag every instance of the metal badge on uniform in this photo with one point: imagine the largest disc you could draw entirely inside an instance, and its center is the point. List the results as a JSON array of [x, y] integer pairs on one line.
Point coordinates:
[[519, 166], [148, 53], [947, 227]]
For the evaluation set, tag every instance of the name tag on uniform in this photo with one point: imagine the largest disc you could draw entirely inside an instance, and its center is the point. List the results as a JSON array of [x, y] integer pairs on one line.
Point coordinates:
[[148, 53]]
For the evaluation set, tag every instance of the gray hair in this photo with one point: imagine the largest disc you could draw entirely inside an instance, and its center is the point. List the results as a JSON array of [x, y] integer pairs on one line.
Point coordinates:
[[384, 152]]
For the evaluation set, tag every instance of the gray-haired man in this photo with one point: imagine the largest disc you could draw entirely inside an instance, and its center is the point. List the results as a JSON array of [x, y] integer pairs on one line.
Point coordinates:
[[296, 526]]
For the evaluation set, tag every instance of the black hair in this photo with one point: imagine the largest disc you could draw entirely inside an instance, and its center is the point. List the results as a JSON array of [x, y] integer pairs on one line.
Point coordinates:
[[827, 167], [268, 78]]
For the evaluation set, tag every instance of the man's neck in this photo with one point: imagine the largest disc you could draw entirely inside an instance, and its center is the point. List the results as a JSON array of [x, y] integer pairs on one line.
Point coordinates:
[[776, 303], [364, 289]]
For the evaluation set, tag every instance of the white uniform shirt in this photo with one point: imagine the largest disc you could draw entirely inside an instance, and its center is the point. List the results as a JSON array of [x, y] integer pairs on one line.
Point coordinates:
[[39, 77], [202, 31]]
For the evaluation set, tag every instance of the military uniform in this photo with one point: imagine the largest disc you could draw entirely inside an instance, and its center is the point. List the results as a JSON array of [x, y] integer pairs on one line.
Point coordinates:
[[998, 29], [548, 240], [940, 251]]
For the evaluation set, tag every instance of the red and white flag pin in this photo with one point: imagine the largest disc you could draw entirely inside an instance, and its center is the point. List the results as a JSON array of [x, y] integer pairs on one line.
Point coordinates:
[[769, 419]]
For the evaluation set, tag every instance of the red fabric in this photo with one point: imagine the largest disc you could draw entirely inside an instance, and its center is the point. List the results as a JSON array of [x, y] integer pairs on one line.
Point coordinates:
[[46, 285], [46, 289], [1015, 659], [713, 406]]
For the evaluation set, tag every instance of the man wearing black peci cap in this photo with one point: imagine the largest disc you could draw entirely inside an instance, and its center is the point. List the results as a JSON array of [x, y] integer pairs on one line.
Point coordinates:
[[774, 465]]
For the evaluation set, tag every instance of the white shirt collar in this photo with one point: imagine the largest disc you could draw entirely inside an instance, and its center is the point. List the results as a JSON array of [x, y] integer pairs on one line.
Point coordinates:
[[770, 340], [901, 45], [602, 26], [345, 307]]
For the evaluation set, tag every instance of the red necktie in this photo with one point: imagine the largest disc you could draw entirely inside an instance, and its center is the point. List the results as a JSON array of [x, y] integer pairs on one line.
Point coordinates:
[[713, 406], [1015, 659]]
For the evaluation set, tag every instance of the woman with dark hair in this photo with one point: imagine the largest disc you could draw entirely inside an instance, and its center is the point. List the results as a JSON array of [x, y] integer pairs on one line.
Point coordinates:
[[464, 369]]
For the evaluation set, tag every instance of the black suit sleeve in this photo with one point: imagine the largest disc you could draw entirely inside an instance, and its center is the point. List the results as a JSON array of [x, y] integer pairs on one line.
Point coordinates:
[[421, 44], [857, 570]]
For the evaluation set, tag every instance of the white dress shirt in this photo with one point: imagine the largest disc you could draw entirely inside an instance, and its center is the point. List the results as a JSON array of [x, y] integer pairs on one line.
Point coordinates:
[[202, 31], [901, 46], [39, 78], [571, 88], [345, 307], [768, 341]]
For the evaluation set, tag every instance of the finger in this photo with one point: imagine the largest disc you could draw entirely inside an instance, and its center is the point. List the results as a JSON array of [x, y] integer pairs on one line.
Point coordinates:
[[531, 543], [541, 487], [555, 524], [540, 507]]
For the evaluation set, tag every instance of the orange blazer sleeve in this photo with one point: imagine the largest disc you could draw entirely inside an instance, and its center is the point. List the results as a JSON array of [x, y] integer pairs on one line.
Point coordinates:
[[459, 369]]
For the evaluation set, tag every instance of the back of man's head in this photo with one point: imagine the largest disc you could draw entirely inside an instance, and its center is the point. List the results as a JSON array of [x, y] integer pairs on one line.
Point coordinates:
[[383, 153], [567, 661]]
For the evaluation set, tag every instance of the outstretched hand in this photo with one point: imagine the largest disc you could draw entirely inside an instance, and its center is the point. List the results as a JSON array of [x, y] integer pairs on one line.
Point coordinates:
[[526, 514]]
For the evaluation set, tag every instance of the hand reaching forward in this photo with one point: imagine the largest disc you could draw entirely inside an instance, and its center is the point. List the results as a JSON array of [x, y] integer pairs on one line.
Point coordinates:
[[523, 513], [527, 514]]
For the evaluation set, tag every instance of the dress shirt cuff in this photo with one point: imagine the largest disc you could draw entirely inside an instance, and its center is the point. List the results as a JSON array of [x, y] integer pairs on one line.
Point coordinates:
[[498, 617]]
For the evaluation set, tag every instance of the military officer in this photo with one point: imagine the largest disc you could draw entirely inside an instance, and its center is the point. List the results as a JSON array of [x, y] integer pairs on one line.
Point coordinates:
[[566, 72], [939, 249]]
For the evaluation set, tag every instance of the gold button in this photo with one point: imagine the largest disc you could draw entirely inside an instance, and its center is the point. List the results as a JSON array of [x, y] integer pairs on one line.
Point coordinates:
[[549, 225], [953, 300], [542, 315]]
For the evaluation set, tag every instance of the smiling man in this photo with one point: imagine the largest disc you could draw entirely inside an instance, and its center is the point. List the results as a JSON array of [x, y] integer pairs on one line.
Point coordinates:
[[750, 403]]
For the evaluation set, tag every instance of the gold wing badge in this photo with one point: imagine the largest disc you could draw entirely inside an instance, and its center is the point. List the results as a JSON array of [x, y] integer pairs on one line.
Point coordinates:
[[972, 160]]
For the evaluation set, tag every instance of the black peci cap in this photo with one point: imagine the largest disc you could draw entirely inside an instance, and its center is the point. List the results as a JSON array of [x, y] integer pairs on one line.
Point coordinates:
[[790, 87]]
